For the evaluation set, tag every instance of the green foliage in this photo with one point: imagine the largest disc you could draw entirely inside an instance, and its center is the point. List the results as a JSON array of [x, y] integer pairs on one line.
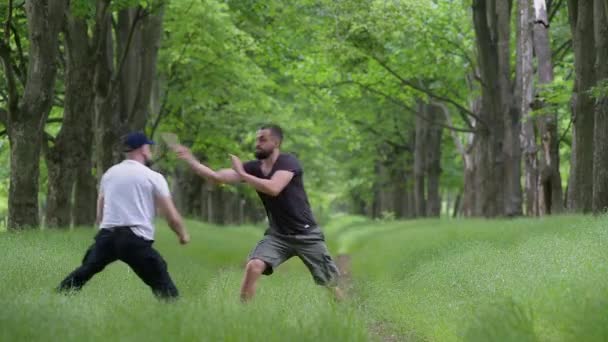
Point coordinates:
[[83, 8]]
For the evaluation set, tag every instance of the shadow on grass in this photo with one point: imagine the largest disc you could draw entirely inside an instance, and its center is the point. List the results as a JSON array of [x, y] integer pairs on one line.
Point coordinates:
[[502, 320]]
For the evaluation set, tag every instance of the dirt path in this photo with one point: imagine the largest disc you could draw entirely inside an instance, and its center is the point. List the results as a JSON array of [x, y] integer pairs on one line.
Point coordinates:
[[380, 331]]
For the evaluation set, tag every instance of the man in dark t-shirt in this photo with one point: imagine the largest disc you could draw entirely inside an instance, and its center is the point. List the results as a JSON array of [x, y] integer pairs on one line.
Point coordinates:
[[292, 231]]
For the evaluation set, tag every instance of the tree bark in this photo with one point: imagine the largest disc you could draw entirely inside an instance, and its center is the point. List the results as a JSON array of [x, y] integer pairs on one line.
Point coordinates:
[[151, 30], [600, 138], [421, 134], [400, 194], [433, 160], [550, 187], [27, 115], [467, 202], [491, 23], [523, 91], [105, 103], [581, 18], [187, 189], [73, 142], [85, 192]]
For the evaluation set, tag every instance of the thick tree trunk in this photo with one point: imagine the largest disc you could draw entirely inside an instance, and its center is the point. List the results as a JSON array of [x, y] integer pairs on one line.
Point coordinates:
[[27, 115], [421, 135], [128, 42], [581, 18], [400, 194], [523, 91], [467, 202], [106, 115], [73, 143], [550, 187], [187, 191], [600, 138], [151, 30], [433, 160], [85, 192], [61, 172], [491, 22]]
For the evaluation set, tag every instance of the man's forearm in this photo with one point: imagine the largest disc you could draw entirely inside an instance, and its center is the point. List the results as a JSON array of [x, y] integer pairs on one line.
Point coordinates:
[[261, 185], [177, 225], [204, 170]]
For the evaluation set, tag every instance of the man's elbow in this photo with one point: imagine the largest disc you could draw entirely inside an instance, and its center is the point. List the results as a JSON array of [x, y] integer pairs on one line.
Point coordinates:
[[274, 192]]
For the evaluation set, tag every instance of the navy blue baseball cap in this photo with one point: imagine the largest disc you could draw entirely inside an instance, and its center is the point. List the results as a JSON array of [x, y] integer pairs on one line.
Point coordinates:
[[135, 140]]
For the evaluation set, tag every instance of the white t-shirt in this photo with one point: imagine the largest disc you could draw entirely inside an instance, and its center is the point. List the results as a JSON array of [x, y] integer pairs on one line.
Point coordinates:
[[129, 190]]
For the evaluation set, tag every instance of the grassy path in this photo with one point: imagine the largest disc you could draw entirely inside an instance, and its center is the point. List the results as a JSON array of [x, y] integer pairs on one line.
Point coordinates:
[[425, 280]]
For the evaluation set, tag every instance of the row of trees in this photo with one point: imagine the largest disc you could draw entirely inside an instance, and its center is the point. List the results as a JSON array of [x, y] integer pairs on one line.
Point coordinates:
[[394, 107]]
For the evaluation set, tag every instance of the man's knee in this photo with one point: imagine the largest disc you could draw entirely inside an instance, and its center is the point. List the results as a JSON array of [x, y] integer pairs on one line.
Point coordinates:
[[255, 266]]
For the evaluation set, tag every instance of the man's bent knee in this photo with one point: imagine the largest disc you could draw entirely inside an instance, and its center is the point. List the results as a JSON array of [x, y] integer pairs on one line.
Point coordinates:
[[256, 266]]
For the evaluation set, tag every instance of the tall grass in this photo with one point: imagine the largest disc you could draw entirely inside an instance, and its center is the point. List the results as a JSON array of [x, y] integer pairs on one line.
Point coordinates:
[[427, 280], [116, 305], [477, 280]]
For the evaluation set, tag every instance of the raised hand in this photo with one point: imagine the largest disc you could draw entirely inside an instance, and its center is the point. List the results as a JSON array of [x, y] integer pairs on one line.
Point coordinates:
[[237, 164]]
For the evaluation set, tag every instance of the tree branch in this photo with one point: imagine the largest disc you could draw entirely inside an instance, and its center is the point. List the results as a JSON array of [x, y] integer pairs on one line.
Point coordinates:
[[563, 137], [54, 120], [401, 104], [561, 51], [7, 24], [553, 9], [13, 96], [375, 132], [458, 47], [123, 58], [464, 111], [22, 68], [3, 117], [448, 118]]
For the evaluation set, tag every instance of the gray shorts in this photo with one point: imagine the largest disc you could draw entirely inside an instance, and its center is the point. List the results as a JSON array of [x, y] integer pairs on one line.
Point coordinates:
[[274, 249]]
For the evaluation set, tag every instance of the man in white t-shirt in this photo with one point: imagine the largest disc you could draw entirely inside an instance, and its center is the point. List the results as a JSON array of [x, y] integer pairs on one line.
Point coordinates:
[[129, 194]]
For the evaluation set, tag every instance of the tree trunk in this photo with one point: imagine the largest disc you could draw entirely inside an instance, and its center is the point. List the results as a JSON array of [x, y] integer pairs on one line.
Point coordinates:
[[581, 18], [433, 160], [600, 138], [467, 202], [73, 141], [375, 207], [491, 22], [151, 30], [421, 134], [27, 115], [188, 194], [456, 211], [106, 116], [85, 192], [550, 187], [400, 194], [129, 44], [523, 91]]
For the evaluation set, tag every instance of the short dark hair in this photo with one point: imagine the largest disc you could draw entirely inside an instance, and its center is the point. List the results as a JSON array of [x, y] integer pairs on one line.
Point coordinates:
[[275, 130]]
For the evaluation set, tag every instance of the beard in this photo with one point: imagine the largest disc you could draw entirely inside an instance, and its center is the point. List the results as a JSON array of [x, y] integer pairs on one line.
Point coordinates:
[[262, 154], [149, 162]]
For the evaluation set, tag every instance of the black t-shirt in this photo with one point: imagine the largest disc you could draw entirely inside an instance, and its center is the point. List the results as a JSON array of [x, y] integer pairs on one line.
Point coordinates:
[[289, 212]]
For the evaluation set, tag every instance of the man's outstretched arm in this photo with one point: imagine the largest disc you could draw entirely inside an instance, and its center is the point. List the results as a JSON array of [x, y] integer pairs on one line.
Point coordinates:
[[221, 176]]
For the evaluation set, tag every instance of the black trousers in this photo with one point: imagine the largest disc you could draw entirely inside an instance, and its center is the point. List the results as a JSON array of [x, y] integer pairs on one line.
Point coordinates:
[[120, 243]]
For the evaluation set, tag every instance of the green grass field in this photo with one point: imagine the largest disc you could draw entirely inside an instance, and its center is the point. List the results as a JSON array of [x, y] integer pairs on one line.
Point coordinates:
[[424, 280]]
